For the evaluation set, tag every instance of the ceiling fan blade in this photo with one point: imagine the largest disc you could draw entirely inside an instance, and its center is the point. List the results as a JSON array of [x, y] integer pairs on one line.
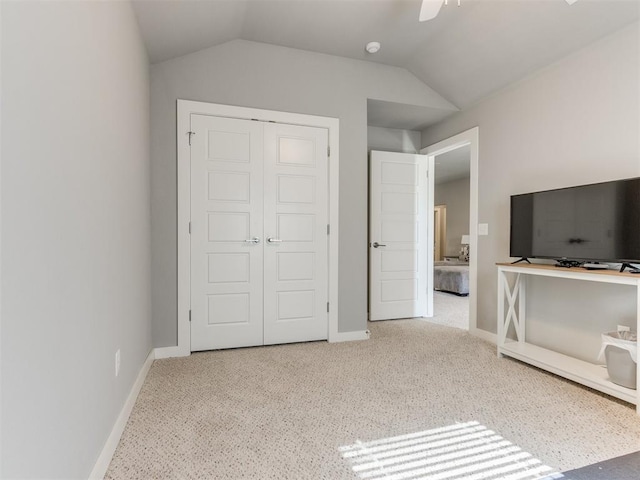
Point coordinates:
[[430, 9]]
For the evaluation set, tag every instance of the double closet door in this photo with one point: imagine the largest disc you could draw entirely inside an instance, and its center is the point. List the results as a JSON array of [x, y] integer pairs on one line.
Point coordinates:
[[259, 250]]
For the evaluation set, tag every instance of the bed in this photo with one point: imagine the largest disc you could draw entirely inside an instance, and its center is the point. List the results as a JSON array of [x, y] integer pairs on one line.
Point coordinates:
[[452, 277]]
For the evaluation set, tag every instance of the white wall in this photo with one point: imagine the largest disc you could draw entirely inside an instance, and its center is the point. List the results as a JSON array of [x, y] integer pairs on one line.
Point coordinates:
[[455, 195], [275, 78], [393, 140], [574, 122], [76, 230]]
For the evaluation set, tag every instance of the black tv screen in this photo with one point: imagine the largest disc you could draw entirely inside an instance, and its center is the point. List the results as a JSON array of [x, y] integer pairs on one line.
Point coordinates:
[[599, 222]]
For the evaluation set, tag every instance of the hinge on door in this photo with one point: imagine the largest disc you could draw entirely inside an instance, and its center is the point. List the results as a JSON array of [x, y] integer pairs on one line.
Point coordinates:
[[327, 307], [189, 228], [189, 315], [328, 151], [190, 133], [328, 229]]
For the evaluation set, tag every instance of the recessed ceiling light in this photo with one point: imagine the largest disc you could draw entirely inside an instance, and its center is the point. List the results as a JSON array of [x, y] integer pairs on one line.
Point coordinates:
[[372, 47]]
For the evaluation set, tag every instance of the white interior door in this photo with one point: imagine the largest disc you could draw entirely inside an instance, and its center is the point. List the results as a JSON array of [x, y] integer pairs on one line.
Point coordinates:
[[295, 228], [399, 247], [259, 245], [226, 233]]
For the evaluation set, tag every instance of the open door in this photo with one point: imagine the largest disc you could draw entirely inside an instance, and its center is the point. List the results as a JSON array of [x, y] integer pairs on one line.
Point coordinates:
[[401, 207]]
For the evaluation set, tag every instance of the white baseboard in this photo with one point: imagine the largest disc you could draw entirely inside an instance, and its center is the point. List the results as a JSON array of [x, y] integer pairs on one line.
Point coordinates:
[[484, 335], [102, 464], [351, 336], [169, 352]]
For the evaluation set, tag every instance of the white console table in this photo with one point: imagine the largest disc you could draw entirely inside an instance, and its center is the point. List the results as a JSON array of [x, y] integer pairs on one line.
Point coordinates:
[[512, 310]]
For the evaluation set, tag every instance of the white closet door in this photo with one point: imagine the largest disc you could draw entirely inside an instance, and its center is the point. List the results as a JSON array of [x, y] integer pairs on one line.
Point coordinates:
[[226, 233], [398, 234], [295, 229]]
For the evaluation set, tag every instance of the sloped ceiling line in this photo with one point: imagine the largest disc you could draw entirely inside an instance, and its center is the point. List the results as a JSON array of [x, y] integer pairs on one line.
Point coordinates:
[[465, 54]]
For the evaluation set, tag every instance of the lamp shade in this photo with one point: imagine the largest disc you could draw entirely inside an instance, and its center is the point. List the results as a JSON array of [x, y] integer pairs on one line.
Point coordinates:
[[465, 240]]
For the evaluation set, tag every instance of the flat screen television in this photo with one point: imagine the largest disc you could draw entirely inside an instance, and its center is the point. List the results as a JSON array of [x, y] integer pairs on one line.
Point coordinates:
[[591, 223]]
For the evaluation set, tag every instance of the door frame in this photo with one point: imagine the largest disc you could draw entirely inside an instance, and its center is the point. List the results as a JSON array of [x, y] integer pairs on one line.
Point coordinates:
[[440, 229], [469, 137], [185, 108]]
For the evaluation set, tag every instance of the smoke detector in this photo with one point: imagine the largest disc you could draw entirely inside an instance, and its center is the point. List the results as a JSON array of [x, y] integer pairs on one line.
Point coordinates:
[[372, 47]]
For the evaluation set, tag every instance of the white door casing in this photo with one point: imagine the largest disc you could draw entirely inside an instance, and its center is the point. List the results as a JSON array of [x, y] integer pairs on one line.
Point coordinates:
[[184, 138], [399, 215], [471, 138], [226, 233], [295, 219]]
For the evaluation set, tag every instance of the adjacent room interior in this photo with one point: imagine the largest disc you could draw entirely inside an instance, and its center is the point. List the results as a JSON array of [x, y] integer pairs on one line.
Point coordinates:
[[273, 239], [452, 239]]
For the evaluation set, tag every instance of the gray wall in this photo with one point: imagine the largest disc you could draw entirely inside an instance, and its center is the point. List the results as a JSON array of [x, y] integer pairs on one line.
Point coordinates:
[[275, 78], [76, 230], [455, 195], [393, 140], [572, 123]]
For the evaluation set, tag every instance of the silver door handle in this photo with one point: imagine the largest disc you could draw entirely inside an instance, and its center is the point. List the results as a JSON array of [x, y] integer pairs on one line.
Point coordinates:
[[253, 240], [376, 245], [273, 240]]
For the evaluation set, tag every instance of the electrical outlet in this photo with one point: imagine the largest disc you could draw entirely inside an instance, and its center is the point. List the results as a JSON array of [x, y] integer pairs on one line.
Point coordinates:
[[117, 362], [623, 328]]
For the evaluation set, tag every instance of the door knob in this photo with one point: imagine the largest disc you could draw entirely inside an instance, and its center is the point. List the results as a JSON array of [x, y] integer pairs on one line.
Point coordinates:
[[273, 240], [376, 245], [253, 240]]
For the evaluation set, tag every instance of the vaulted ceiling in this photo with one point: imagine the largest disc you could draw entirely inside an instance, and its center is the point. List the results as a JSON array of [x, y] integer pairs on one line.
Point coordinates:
[[466, 53]]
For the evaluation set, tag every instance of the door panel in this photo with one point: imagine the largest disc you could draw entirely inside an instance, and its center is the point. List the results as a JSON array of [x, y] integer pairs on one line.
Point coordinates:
[[295, 217], [249, 181], [398, 236], [226, 213]]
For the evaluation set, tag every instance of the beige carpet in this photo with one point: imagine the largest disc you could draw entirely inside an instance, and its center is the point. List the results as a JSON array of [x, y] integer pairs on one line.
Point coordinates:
[[292, 411]]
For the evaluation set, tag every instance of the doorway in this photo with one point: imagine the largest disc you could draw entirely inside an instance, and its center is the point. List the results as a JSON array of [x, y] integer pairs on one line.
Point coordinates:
[[439, 231], [451, 270], [462, 233]]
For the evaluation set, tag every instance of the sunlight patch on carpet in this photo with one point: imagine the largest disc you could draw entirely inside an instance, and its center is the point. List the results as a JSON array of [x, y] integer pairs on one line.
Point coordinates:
[[467, 451]]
